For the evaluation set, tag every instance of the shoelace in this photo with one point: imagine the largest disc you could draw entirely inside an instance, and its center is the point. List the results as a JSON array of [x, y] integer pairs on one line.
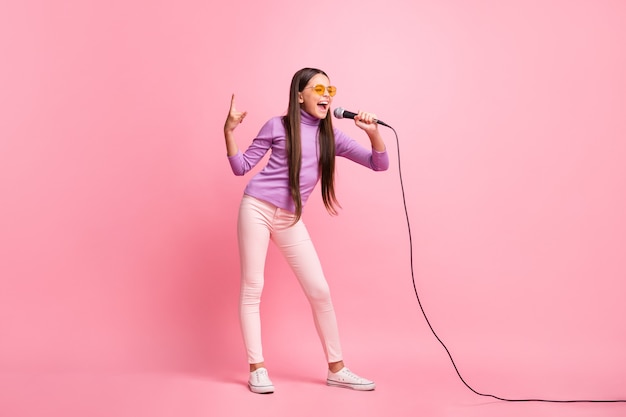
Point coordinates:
[[348, 373], [260, 374]]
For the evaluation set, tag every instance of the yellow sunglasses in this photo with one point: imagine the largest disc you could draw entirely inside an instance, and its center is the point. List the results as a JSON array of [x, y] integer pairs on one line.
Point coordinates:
[[319, 89]]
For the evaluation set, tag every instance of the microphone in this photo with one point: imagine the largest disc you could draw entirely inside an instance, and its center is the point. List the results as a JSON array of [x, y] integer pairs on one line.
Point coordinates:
[[340, 113]]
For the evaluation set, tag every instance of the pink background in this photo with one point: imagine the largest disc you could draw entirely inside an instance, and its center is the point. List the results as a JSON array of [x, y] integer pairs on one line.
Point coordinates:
[[118, 207]]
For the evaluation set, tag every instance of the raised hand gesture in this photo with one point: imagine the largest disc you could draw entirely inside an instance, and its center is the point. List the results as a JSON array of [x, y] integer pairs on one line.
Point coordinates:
[[234, 117]]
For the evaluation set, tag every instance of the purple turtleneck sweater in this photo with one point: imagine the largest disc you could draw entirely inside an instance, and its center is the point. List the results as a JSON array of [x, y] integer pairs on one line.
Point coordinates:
[[272, 183]]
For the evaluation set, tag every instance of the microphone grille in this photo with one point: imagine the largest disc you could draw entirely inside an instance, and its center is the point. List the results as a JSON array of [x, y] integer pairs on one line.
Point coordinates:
[[338, 112]]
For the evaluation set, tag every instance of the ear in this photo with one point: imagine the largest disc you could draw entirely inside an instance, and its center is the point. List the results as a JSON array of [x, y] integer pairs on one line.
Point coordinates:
[[300, 98]]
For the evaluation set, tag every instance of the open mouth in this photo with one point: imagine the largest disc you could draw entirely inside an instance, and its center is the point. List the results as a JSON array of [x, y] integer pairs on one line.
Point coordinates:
[[323, 105]]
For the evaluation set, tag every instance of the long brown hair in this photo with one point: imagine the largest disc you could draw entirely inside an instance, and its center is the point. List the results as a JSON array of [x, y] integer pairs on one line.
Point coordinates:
[[294, 146]]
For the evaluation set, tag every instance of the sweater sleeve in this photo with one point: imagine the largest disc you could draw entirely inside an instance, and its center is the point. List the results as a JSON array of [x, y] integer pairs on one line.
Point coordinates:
[[349, 148], [242, 163]]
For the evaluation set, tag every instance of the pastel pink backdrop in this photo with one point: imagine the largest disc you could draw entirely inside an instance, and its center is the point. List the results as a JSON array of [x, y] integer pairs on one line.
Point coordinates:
[[118, 206]]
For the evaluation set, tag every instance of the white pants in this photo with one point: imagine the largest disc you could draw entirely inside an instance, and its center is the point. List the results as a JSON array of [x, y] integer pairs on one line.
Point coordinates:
[[259, 222]]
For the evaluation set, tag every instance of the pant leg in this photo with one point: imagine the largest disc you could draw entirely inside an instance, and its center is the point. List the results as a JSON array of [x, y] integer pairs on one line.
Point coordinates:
[[253, 232], [296, 245]]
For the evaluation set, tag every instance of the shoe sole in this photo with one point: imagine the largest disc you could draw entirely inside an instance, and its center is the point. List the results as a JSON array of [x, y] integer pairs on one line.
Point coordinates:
[[261, 390], [363, 387]]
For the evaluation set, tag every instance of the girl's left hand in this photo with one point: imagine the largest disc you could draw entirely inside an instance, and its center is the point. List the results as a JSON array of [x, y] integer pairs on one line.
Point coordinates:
[[366, 121]]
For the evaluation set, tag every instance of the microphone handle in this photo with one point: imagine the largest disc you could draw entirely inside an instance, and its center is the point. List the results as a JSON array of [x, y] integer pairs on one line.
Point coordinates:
[[351, 115]]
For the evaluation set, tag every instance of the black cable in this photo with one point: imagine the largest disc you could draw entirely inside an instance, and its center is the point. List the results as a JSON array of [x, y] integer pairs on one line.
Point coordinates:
[[406, 212]]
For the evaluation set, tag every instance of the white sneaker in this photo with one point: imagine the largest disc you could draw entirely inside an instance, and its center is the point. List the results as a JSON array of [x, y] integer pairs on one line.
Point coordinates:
[[345, 378], [260, 382]]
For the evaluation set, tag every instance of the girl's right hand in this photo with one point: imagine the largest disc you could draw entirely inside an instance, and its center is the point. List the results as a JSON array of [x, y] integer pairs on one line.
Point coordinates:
[[234, 117]]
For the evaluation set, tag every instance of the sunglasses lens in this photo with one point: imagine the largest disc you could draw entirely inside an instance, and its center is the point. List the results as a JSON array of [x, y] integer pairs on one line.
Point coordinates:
[[320, 89]]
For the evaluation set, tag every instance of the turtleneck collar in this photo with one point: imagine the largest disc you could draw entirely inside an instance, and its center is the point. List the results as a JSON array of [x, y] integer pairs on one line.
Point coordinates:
[[307, 119]]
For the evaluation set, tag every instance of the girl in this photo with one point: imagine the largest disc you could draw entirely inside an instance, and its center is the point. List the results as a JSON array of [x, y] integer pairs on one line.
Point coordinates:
[[303, 147]]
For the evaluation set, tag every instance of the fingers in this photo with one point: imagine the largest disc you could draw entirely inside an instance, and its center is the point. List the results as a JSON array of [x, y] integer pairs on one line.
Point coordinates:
[[234, 117], [366, 120], [365, 117], [232, 109], [233, 114]]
